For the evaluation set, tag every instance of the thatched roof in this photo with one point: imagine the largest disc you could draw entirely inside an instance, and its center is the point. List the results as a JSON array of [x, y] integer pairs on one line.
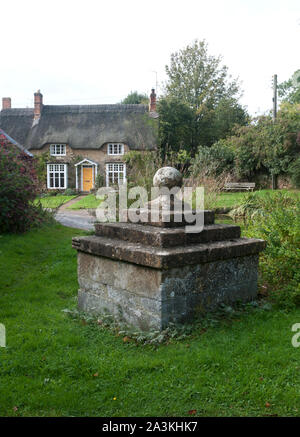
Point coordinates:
[[17, 123], [82, 126], [10, 140]]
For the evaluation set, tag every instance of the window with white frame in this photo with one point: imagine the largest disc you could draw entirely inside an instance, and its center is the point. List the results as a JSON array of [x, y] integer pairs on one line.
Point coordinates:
[[115, 149], [57, 149], [115, 174], [57, 176]]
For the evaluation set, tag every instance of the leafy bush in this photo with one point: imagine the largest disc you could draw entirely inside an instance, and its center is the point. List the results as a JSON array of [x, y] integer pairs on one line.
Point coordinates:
[[261, 147], [294, 171], [18, 189], [48, 194], [69, 192], [41, 161], [278, 222], [213, 161]]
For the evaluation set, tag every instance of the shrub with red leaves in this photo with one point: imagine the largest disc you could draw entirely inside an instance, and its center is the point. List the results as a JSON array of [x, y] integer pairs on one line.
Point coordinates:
[[18, 189]]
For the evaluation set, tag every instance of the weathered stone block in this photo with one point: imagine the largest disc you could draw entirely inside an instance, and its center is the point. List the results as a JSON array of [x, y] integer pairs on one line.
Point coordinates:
[[152, 298], [168, 237]]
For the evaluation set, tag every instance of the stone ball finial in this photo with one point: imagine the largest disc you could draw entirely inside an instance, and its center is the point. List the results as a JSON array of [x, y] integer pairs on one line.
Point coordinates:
[[167, 177]]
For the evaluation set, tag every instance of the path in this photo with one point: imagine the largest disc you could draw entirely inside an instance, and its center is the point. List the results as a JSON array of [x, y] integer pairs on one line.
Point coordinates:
[[75, 218]]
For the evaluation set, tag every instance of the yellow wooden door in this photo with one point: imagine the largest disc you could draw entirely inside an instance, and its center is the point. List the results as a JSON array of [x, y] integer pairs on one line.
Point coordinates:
[[87, 178]]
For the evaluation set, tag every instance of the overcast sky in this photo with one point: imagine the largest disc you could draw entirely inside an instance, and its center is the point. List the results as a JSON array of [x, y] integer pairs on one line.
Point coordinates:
[[96, 51]]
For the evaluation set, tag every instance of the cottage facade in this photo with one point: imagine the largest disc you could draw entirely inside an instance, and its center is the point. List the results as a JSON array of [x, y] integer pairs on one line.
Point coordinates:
[[82, 143]]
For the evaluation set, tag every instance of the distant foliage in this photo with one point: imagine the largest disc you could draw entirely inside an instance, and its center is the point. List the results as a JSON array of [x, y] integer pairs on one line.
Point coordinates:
[[261, 146], [289, 91], [176, 126], [18, 189], [135, 98], [141, 167], [213, 161]]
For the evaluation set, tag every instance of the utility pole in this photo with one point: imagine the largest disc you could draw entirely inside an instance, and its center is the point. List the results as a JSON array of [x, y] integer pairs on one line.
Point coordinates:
[[274, 178], [274, 97]]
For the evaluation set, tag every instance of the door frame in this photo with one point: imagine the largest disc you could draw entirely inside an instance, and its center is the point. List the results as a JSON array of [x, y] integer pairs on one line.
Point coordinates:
[[86, 163]]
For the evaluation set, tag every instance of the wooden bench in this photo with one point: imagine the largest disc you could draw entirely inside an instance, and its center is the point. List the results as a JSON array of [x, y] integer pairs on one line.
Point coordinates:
[[248, 186]]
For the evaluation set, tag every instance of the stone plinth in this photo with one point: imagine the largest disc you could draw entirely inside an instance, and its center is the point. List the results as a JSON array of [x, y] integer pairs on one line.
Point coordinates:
[[149, 276]]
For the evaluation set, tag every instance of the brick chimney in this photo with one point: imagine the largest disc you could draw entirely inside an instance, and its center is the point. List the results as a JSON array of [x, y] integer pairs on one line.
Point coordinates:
[[38, 104], [6, 102], [152, 104]]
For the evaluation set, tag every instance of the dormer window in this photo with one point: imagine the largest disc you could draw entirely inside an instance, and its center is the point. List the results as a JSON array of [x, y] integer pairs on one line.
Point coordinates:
[[57, 149], [115, 149]]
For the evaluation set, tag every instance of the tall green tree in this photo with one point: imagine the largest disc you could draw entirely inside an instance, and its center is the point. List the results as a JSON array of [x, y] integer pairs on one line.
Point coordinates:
[[176, 125], [199, 79], [199, 82], [289, 91]]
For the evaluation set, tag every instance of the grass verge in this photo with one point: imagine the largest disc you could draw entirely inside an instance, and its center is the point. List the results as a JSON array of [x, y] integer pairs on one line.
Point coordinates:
[[234, 199], [87, 202], [53, 202]]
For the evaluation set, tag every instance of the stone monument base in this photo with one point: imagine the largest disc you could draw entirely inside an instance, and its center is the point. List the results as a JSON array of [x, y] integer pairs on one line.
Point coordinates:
[[150, 276]]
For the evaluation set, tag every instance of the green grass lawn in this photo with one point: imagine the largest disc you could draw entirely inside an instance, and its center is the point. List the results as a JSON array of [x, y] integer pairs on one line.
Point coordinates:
[[233, 199], [54, 365], [54, 201], [86, 202]]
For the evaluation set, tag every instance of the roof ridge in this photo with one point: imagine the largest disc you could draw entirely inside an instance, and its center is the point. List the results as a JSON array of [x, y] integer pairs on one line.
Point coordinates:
[[14, 111], [117, 107], [123, 105]]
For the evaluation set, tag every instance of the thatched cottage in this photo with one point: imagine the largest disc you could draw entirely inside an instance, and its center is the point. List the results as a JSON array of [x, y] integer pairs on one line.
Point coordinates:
[[81, 142]]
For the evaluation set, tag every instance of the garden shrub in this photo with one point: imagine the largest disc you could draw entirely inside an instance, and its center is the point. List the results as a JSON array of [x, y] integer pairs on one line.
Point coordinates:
[[278, 222], [213, 161], [294, 171], [70, 192], [261, 147], [18, 189]]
